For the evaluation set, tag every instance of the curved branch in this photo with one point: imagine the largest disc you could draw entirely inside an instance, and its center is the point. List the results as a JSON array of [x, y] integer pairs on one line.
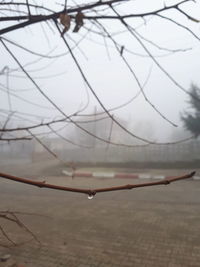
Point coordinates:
[[92, 192]]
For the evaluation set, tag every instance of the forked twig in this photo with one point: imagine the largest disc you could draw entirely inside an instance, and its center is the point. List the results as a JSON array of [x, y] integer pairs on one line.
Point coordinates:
[[6, 236], [11, 216]]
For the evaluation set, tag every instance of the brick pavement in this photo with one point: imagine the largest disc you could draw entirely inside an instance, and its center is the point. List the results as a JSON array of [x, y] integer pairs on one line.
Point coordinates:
[[148, 227]]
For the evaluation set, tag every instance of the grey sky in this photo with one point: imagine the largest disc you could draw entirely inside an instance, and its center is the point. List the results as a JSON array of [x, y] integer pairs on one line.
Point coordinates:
[[106, 71]]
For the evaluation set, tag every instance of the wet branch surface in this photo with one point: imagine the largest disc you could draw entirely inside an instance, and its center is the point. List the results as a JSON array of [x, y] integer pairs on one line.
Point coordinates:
[[92, 192]]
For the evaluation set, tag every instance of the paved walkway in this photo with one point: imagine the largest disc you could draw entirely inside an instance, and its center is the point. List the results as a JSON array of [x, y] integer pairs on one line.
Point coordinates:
[[146, 227]]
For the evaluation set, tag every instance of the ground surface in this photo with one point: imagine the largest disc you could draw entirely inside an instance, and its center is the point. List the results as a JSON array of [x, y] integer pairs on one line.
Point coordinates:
[[147, 227]]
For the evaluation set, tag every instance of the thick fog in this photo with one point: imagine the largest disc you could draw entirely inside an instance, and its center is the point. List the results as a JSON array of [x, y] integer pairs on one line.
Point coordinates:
[[176, 50]]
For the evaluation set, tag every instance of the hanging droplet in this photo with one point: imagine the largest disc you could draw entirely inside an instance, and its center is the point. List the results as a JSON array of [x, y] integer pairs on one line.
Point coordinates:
[[90, 197]]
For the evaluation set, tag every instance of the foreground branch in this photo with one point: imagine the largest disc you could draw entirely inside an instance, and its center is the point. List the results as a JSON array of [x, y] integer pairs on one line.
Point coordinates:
[[92, 192], [12, 216], [15, 139]]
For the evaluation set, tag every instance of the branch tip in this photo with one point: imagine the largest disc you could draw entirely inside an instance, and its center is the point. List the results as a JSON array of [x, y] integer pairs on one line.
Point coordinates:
[[192, 173]]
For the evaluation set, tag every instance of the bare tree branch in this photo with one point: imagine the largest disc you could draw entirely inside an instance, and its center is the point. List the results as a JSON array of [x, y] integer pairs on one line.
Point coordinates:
[[39, 18], [12, 216], [92, 192]]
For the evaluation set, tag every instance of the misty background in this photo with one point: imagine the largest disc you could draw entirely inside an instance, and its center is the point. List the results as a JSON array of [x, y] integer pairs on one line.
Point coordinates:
[[176, 50]]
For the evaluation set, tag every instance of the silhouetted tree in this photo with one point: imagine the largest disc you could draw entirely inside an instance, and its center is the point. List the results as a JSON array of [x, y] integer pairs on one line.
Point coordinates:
[[192, 119]]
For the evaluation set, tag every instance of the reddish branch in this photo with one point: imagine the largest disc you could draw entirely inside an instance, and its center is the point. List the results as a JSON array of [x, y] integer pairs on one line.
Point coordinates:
[[92, 192]]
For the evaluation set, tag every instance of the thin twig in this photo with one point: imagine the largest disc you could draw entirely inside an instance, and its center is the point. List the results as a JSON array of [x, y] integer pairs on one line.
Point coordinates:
[[92, 192], [11, 216], [15, 139], [6, 236]]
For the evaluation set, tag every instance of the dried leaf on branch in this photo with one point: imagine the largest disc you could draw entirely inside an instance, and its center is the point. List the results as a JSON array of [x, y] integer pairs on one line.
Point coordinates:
[[79, 21], [65, 20]]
